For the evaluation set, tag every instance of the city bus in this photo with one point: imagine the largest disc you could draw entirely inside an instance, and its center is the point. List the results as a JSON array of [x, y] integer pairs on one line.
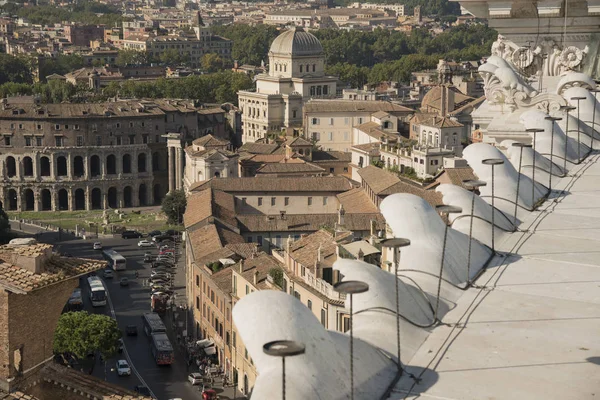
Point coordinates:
[[153, 324], [162, 350], [115, 260], [97, 291]]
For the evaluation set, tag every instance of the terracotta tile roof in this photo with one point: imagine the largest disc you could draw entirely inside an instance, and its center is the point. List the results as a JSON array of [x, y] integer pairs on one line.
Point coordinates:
[[357, 201], [217, 255], [329, 106], [319, 156], [229, 237], [55, 269], [431, 196], [258, 148], [223, 279], [244, 250], [458, 175], [380, 114], [266, 158], [288, 168], [377, 179], [306, 222], [298, 141], [280, 184], [261, 263], [439, 122], [209, 203], [306, 250], [210, 141], [371, 149], [204, 241]]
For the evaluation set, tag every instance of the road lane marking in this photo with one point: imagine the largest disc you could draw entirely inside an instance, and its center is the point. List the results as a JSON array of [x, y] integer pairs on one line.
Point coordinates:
[[114, 315]]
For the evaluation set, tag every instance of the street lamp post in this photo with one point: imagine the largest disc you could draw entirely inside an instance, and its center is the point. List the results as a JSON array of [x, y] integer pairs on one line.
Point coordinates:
[[578, 99], [351, 288], [396, 244], [283, 349], [493, 162], [520, 146], [535, 131], [594, 91], [566, 109], [552, 120], [447, 210], [472, 185]]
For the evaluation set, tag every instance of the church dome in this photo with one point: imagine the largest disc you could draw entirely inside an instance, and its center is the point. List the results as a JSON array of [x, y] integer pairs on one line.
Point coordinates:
[[296, 42]]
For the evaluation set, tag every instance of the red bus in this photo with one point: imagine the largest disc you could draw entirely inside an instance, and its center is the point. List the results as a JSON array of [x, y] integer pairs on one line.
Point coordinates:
[[162, 351]]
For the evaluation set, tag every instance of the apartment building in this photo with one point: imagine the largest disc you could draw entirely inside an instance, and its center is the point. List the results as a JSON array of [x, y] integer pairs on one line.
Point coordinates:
[[331, 122]]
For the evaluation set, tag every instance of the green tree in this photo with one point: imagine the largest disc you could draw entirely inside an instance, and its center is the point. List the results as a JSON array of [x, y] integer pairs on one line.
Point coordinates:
[[172, 57], [174, 205], [277, 275], [212, 62], [81, 333], [132, 57], [14, 69]]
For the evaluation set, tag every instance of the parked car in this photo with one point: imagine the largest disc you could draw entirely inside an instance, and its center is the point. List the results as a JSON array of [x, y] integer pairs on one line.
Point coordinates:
[[160, 273], [124, 281], [108, 274], [172, 232], [131, 330], [145, 243], [142, 390], [162, 238], [195, 378], [123, 368], [131, 235], [154, 233], [97, 246]]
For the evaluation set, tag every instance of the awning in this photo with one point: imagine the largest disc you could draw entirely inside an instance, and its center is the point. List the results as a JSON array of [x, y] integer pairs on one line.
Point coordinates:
[[210, 350], [205, 343]]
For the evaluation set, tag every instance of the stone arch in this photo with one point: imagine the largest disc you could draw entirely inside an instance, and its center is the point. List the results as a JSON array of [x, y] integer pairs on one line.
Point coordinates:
[[45, 169], [96, 199], [200, 177], [29, 203], [157, 193], [61, 166], [127, 197], [111, 164], [27, 166], [11, 166], [112, 197], [46, 199], [79, 199], [143, 195], [95, 169], [141, 162], [63, 199], [78, 166], [155, 161], [217, 174], [12, 199], [126, 164]]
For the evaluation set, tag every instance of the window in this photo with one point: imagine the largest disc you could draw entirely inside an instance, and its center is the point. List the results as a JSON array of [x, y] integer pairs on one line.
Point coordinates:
[[204, 310], [331, 170], [234, 283], [297, 295], [39, 127], [273, 201], [197, 281], [144, 139], [212, 297], [361, 161], [301, 67], [286, 201], [94, 127], [260, 201], [315, 121], [131, 139], [293, 113], [57, 127], [259, 240], [234, 339], [197, 302], [227, 338], [79, 141], [331, 136], [360, 120], [98, 140], [12, 126], [76, 127], [39, 141], [309, 305], [345, 169], [59, 141], [20, 126], [28, 141], [421, 161], [246, 353], [346, 121], [324, 200], [323, 318], [131, 124], [249, 239], [204, 287], [303, 271], [330, 121], [118, 125], [310, 201], [66, 126], [119, 141]]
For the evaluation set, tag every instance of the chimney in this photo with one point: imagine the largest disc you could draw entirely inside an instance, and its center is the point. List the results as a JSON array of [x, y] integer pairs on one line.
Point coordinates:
[[341, 213], [320, 253], [255, 278], [361, 255], [288, 152], [373, 225], [241, 266], [288, 244]]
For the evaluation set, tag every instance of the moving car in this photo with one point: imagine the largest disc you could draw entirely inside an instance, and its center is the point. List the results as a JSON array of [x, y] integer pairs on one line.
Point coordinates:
[[124, 281], [120, 346], [145, 243], [195, 378], [123, 368], [131, 330], [108, 274], [131, 235], [97, 246]]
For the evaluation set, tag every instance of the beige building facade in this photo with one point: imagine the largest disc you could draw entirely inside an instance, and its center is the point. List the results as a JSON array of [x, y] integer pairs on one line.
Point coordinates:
[[296, 73]]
